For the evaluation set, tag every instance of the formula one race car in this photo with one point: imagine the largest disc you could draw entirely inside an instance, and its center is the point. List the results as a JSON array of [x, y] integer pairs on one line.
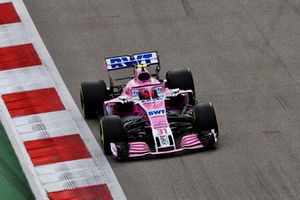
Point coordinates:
[[148, 116]]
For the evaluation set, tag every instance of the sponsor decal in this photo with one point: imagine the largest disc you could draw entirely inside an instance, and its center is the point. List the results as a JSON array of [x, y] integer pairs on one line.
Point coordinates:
[[143, 58], [120, 62], [164, 140], [161, 131], [135, 93], [153, 113], [159, 91], [130, 61]]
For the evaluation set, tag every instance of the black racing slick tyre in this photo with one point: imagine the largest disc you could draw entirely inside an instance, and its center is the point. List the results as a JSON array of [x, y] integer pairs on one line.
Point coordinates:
[[204, 121], [111, 131], [205, 117], [182, 79], [92, 97]]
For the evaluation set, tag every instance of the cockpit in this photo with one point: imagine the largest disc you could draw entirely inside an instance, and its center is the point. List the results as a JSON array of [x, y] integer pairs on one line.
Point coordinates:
[[146, 93]]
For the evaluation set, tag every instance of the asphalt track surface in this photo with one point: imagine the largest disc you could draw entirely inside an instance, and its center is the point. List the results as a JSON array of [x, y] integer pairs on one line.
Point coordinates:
[[245, 57]]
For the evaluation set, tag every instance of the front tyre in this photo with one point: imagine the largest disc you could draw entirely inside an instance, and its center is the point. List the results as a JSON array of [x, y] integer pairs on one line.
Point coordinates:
[[204, 122], [111, 131], [92, 97]]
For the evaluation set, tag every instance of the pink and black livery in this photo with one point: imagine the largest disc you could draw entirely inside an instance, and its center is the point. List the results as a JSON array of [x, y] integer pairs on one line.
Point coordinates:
[[148, 116]]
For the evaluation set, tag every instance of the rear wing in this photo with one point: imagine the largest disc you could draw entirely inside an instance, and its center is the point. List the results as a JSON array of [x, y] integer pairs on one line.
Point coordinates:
[[149, 58]]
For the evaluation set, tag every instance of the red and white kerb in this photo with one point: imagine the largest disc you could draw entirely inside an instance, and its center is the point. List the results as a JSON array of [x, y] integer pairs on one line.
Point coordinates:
[[60, 158]]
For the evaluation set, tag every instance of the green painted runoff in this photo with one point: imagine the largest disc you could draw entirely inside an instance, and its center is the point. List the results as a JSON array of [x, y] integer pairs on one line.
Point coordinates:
[[13, 184]]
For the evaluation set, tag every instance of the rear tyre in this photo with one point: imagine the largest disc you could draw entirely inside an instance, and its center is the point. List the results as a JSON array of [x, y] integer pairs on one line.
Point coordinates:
[[111, 131], [204, 121], [182, 79], [92, 97]]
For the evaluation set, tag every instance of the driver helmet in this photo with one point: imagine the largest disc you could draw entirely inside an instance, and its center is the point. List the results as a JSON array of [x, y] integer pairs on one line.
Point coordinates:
[[146, 94], [142, 74]]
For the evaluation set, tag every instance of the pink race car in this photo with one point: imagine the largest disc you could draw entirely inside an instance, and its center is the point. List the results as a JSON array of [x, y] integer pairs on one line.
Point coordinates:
[[148, 116]]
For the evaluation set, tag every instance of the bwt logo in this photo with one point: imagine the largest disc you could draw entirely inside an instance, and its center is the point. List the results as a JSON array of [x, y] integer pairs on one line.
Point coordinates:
[[156, 112], [130, 61], [121, 62]]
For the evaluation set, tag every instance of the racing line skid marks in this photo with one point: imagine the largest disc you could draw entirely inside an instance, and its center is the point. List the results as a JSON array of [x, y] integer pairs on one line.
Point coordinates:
[[8, 14]]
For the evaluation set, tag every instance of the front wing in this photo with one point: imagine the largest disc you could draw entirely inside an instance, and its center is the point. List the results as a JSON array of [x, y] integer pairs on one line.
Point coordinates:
[[141, 149]]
